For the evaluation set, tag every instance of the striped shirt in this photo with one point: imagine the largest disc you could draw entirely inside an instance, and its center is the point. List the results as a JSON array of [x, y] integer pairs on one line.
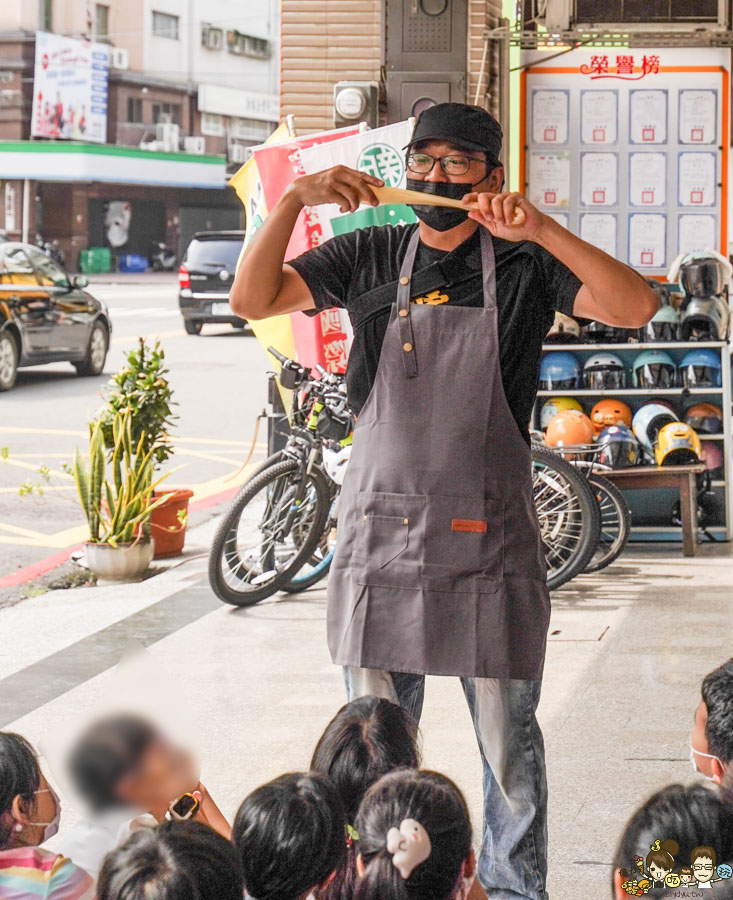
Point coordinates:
[[30, 872]]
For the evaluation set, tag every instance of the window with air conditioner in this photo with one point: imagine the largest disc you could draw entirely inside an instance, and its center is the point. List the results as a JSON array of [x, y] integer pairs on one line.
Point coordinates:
[[247, 45], [167, 112], [165, 25], [647, 11]]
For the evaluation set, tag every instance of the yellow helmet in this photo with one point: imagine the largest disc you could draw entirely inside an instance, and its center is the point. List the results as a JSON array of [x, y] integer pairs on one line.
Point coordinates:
[[677, 445], [554, 405]]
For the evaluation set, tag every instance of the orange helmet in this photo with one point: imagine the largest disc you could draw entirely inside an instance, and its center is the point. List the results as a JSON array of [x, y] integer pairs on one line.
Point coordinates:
[[569, 429], [609, 412]]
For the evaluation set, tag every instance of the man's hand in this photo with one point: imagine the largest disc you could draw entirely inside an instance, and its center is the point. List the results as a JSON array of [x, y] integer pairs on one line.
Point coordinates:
[[340, 184], [496, 212]]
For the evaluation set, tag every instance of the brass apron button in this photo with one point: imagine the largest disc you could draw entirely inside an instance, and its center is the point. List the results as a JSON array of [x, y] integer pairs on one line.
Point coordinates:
[[403, 313], [407, 347], [404, 280]]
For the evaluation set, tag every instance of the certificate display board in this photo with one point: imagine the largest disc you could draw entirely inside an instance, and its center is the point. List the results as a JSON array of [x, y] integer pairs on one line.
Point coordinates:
[[627, 144]]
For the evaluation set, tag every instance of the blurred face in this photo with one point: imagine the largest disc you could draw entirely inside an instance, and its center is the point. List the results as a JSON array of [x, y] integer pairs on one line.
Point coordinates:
[[44, 809], [164, 773], [477, 174], [705, 763]]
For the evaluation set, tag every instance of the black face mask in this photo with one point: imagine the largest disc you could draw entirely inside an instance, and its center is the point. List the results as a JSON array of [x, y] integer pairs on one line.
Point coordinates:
[[440, 218]]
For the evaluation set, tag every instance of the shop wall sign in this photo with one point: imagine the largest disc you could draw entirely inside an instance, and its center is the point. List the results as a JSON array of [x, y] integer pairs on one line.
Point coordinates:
[[628, 145]]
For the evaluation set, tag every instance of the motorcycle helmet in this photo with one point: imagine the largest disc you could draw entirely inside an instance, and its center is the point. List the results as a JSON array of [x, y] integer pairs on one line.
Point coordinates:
[[706, 418], [647, 421], [677, 445], [600, 333], [569, 429], [654, 368], [712, 456], [559, 370], [609, 412], [604, 372], [701, 368], [663, 327], [619, 447], [704, 319], [553, 405], [565, 330], [703, 274]]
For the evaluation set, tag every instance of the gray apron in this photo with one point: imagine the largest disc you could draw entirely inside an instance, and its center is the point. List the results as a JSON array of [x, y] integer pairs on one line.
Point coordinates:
[[439, 567]]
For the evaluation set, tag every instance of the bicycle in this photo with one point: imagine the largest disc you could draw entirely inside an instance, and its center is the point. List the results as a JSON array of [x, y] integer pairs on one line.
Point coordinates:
[[276, 522]]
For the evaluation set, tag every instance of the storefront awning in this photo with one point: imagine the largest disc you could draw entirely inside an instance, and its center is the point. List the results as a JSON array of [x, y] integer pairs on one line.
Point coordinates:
[[77, 161]]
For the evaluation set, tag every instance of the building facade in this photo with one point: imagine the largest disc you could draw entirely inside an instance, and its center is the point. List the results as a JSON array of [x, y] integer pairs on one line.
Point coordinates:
[[190, 86]]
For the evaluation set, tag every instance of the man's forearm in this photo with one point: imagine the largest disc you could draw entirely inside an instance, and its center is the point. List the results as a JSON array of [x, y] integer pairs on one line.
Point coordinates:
[[623, 294], [259, 274]]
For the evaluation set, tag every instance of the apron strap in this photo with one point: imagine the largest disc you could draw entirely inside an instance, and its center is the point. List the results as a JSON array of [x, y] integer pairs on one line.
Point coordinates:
[[404, 319], [488, 266]]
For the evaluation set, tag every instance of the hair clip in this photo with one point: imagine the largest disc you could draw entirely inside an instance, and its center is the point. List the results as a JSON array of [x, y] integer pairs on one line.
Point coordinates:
[[351, 835], [409, 845]]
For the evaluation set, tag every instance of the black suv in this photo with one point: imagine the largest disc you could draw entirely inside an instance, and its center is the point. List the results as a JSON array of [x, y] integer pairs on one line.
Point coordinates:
[[205, 279], [46, 316]]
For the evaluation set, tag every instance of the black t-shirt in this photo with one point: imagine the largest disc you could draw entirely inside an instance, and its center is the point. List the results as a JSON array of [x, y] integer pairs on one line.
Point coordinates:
[[530, 285]]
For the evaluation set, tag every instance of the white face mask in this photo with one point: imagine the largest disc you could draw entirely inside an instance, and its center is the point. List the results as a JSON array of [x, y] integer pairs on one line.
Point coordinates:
[[693, 761], [50, 828]]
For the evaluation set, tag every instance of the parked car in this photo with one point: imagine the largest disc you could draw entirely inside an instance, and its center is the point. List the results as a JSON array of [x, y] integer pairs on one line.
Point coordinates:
[[47, 316], [205, 278]]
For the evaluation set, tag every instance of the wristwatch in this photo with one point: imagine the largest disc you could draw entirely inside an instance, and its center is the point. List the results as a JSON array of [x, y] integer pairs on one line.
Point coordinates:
[[185, 807]]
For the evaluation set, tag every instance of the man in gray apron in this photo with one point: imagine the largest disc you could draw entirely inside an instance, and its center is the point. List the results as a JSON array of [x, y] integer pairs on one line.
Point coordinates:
[[439, 567]]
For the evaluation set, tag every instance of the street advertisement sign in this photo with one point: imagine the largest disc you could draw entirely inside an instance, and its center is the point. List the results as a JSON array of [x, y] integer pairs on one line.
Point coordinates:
[[70, 89]]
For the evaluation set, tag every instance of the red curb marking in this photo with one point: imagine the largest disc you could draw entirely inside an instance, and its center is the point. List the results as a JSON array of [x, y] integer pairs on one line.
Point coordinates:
[[28, 573]]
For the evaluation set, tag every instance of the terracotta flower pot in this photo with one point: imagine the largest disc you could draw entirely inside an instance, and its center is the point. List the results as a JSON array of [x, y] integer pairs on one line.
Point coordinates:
[[169, 532], [125, 562]]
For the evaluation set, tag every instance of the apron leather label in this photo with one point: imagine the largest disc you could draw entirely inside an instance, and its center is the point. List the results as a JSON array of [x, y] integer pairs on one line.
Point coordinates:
[[476, 526]]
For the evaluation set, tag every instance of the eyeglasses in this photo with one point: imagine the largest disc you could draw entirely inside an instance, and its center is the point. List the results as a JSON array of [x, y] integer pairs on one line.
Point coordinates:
[[701, 868], [451, 164]]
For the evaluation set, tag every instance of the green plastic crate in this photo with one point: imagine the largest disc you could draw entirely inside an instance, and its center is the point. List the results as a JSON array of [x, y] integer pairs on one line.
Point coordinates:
[[95, 260]]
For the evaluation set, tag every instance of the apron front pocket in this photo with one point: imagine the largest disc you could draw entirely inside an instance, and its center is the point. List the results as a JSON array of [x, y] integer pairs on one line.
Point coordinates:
[[464, 544], [388, 541]]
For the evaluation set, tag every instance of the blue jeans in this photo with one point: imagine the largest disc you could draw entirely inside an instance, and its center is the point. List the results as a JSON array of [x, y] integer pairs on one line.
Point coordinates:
[[513, 859]]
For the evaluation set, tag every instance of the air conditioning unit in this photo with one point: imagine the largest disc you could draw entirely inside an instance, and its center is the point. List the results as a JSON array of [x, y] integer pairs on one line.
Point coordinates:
[[558, 15], [120, 58], [237, 153], [212, 38], [194, 144], [168, 135]]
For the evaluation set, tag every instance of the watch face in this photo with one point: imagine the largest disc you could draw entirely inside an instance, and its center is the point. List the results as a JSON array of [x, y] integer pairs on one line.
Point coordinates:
[[185, 806]]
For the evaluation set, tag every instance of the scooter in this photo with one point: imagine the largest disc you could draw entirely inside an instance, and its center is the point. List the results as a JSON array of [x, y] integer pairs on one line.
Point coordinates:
[[162, 258], [52, 249]]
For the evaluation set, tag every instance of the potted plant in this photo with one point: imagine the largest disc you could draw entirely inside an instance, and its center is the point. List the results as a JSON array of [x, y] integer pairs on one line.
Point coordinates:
[[142, 387], [117, 508]]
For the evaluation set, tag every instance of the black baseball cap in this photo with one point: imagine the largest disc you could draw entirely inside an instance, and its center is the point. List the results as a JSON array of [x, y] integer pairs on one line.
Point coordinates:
[[470, 127]]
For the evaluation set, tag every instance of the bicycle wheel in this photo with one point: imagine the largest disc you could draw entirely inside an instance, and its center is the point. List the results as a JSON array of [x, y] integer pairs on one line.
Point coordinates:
[[264, 538], [568, 516], [615, 523]]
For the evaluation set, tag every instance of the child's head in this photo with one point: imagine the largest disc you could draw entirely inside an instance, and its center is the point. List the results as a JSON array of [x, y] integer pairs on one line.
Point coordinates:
[[414, 839], [124, 760], [659, 863], [711, 741], [685, 874], [177, 861], [291, 835], [366, 739], [688, 816]]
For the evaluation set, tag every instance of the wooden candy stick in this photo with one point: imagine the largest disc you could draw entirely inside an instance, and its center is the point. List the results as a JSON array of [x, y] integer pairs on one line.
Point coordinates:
[[401, 195]]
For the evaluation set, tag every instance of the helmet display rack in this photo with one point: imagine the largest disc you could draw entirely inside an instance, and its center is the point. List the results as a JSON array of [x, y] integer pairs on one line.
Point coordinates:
[[652, 511]]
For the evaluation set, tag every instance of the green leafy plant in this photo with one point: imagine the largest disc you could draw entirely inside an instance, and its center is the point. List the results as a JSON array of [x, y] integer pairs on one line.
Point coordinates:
[[117, 508], [141, 387]]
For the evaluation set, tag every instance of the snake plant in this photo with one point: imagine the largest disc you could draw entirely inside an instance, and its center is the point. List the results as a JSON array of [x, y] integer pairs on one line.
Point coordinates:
[[117, 503]]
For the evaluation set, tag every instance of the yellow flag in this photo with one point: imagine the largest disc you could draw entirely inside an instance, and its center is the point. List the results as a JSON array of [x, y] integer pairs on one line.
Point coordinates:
[[276, 331]]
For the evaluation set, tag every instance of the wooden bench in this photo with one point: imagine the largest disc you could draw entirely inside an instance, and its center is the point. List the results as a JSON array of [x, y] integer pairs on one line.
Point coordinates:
[[681, 477]]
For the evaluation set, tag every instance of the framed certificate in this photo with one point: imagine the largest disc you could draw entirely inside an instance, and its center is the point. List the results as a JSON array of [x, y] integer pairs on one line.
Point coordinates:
[[549, 179], [647, 240], [648, 117], [598, 117], [698, 117], [696, 184], [550, 116], [647, 179], [696, 233], [598, 179], [600, 229]]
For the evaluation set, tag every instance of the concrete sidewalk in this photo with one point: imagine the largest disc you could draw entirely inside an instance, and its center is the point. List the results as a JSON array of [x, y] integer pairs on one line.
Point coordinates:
[[626, 654]]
